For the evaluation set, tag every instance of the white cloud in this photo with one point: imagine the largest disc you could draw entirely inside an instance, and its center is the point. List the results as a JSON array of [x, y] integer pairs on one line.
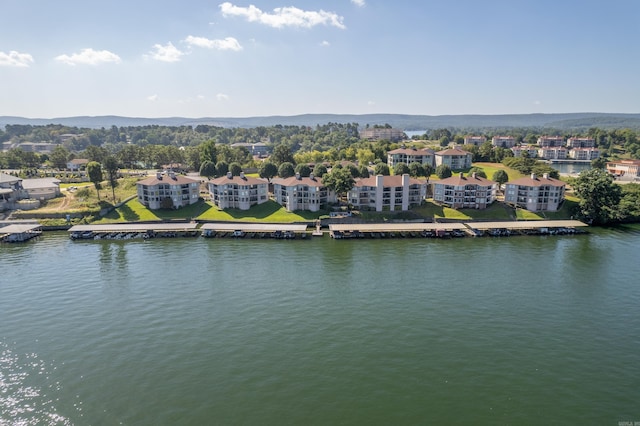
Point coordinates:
[[325, 43], [359, 3], [371, 103], [152, 98], [89, 57], [222, 97], [166, 53], [228, 43], [284, 16], [15, 59]]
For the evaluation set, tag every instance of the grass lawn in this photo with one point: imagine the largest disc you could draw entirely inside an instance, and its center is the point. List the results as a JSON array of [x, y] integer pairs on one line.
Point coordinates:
[[496, 211]]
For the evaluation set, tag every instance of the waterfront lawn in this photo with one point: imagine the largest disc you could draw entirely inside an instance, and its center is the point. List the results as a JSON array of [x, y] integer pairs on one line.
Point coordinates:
[[496, 211], [491, 168], [566, 211], [269, 212]]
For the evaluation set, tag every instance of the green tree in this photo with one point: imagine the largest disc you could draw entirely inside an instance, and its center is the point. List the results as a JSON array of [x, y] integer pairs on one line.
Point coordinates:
[[339, 180], [208, 169], [500, 176], [381, 169], [416, 169], [282, 154], [443, 171], [599, 163], [303, 169], [111, 168], [208, 151], [401, 169], [267, 170], [222, 168], [363, 171], [286, 170], [235, 169], [478, 171], [94, 170], [59, 157], [319, 170], [599, 196]]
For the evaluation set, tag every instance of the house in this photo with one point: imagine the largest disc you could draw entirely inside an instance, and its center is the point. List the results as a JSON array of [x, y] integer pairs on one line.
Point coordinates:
[[382, 133], [238, 192], [460, 192], [11, 191], [584, 154], [503, 141], [581, 143], [392, 193], [181, 190], [535, 194], [302, 193], [42, 188], [553, 153], [455, 158], [474, 140], [624, 168], [258, 149], [410, 155], [530, 149], [550, 141], [77, 164]]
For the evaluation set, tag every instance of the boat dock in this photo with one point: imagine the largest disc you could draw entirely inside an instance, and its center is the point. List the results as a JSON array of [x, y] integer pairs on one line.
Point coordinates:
[[17, 233], [458, 229], [254, 230], [126, 231]]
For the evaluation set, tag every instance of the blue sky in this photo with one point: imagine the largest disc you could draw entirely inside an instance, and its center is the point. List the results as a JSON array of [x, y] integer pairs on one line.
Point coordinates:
[[195, 58]]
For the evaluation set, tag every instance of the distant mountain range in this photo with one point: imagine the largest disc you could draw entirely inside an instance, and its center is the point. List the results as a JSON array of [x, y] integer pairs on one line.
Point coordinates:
[[566, 121]]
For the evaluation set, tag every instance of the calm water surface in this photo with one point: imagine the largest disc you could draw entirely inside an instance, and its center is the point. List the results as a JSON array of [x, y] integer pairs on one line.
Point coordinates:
[[521, 330]]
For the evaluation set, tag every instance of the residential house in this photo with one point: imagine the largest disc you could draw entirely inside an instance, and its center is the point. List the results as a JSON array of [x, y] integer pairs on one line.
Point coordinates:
[[11, 191], [581, 143], [392, 193], [258, 149], [624, 168], [410, 155], [42, 188], [182, 190], [382, 133], [474, 140], [584, 154], [455, 158], [530, 149], [553, 153], [535, 194], [550, 141], [465, 192], [302, 193], [238, 192], [503, 141], [77, 164]]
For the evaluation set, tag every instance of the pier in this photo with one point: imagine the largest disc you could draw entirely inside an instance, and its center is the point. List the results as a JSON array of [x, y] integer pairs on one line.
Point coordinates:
[[125, 231], [17, 233], [254, 230]]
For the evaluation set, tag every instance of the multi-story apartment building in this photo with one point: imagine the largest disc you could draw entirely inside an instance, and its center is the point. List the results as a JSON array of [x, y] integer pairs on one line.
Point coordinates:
[[474, 140], [181, 190], [393, 193], [550, 141], [503, 141], [530, 149], [238, 192], [624, 168], [455, 158], [553, 153], [302, 193], [535, 194], [584, 153], [410, 155], [581, 143], [382, 133], [460, 192]]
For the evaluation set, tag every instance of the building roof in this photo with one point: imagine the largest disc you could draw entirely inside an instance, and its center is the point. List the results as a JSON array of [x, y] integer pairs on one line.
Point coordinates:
[[5, 178], [38, 183], [453, 151], [534, 180], [626, 162], [294, 180], [460, 180], [79, 161], [238, 180], [411, 151], [169, 179], [387, 181]]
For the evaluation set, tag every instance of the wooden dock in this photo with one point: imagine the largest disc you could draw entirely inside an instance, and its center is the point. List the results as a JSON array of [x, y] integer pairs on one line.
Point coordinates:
[[17, 233], [118, 231], [252, 230]]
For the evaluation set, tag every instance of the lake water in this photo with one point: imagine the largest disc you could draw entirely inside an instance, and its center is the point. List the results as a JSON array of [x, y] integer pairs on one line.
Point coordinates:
[[518, 330]]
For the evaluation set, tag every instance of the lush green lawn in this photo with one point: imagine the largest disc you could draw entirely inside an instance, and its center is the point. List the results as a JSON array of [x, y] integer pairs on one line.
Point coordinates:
[[496, 211]]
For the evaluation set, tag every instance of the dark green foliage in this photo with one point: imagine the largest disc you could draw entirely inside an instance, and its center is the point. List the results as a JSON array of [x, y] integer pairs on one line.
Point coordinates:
[[319, 170], [286, 170], [400, 169], [94, 170], [500, 176], [381, 169], [478, 171], [235, 169], [599, 196], [443, 171], [208, 169], [267, 170], [303, 169], [222, 168]]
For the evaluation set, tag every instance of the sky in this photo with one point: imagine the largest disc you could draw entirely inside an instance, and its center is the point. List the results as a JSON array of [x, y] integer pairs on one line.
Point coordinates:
[[197, 58]]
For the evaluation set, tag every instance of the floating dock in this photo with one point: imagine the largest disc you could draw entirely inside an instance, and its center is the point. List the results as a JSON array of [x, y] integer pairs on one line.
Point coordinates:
[[125, 231], [254, 230], [18, 233]]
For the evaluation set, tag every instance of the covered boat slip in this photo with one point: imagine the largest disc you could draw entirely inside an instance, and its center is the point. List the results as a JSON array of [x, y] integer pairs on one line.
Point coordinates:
[[241, 230], [19, 232], [133, 230]]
